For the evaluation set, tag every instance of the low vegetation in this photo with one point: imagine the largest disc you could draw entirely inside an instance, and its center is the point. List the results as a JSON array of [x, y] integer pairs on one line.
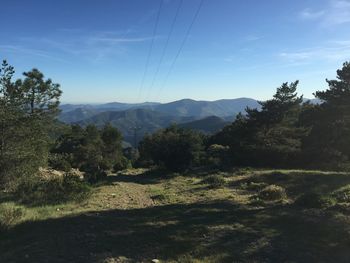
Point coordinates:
[[56, 190], [140, 215], [214, 180]]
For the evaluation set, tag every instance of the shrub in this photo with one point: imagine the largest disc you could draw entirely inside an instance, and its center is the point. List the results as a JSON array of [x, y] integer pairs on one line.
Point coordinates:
[[342, 195], [214, 180], [272, 193], [95, 175], [218, 155], [253, 186], [123, 164], [60, 162], [9, 215], [35, 190]]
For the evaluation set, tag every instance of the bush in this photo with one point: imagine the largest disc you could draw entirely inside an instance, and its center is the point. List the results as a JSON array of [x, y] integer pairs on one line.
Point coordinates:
[[9, 215], [95, 175], [218, 155], [253, 186], [60, 162], [214, 180], [123, 164], [35, 190], [272, 193], [342, 195]]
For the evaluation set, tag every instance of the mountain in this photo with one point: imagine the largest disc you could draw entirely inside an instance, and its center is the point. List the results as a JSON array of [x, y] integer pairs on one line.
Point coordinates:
[[112, 106], [225, 109], [77, 114], [71, 113], [201, 109], [206, 125], [141, 121], [205, 116]]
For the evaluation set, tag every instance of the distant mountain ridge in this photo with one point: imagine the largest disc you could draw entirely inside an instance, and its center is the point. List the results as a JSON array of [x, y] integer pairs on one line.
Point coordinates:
[[201, 109], [186, 108], [205, 116]]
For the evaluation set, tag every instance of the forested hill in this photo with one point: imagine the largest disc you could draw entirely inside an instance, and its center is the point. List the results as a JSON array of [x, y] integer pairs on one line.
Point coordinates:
[[208, 125], [186, 108]]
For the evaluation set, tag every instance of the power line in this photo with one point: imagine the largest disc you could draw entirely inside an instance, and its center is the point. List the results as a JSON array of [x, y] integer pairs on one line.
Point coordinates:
[[151, 48], [182, 45], [165, 46]]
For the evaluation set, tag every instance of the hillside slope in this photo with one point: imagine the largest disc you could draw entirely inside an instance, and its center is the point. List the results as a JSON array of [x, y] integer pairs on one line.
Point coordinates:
[[220, 108], [143, 120], [207, 125]]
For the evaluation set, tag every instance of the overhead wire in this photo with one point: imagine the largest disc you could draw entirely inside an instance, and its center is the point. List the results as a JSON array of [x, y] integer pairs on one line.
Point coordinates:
[[151, 48], [181, 46], [165, 47]]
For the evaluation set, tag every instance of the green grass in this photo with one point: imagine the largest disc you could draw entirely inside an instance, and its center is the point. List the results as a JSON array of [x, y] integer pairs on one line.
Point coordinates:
[[139, 215]]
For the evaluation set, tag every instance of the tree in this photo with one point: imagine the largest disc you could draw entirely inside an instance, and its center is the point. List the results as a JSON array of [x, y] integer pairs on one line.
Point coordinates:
[[266, 137], [175, 148], [329, 122], [112, 148], [90, 149], [25, 121]]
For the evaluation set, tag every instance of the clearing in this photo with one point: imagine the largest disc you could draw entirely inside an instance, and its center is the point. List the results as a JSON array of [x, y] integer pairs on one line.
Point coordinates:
[[243, 215]]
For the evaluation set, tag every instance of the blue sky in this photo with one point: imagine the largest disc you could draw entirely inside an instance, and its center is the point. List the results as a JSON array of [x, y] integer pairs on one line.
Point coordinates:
[[98, 50]]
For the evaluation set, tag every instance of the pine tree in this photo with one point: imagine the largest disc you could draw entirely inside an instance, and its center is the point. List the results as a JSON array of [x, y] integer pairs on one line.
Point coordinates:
[[269, 136], [329, 140], [25, 122]]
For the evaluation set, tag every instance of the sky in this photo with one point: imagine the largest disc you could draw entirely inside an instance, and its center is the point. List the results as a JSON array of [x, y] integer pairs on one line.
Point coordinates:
[[165, 50]]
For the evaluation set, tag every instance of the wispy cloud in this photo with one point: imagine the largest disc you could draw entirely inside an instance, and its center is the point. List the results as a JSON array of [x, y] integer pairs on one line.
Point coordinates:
[[116, 40], [336, 13], [91, 46], [309, 14], [17, 49], [332, 51], [339, 12], [251, 38]]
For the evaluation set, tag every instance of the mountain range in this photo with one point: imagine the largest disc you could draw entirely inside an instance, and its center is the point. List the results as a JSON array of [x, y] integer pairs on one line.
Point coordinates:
[[136, 120]]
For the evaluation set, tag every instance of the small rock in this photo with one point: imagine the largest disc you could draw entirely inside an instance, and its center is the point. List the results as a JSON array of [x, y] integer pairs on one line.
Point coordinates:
[[155, 261], [57, 209]]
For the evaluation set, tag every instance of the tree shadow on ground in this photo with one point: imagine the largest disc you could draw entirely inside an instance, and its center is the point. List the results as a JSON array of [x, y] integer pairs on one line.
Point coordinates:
[[297, 183], [148, 177], [223, 230]]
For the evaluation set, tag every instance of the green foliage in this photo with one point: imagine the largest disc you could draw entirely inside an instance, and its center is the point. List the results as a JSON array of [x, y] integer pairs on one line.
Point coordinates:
[[328, 144], [342, 194], [37, 191], [92, 150], [287, 133], [176, 149], [266, 137], [9, 215], [214, 180], [218, 155], [60, 162], [272, 193], [27, 111], [123, 164]]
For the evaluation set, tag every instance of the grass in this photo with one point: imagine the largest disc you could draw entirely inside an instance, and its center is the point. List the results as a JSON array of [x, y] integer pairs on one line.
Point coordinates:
[[137, 216]]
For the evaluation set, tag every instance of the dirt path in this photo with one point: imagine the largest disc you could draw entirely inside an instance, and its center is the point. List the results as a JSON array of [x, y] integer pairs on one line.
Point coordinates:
[[122, 195]]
